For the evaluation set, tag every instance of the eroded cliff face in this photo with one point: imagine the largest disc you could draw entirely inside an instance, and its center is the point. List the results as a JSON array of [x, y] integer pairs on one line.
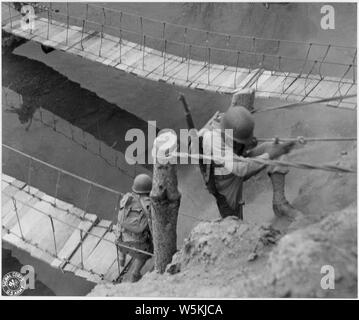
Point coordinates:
[[227, 258], [231, 258]]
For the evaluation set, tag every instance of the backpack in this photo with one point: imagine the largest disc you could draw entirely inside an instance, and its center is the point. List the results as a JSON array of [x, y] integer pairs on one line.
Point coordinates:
[[133, 219]]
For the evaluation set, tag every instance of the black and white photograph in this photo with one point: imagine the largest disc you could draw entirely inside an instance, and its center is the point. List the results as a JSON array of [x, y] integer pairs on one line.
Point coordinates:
[[179, 150]]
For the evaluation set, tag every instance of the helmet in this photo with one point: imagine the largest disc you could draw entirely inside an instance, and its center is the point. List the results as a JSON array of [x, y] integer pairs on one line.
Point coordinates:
[[142, 184], [240, 120]]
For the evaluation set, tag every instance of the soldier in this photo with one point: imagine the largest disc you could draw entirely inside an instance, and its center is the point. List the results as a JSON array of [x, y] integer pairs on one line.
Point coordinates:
[[134, 225], [228, 170]]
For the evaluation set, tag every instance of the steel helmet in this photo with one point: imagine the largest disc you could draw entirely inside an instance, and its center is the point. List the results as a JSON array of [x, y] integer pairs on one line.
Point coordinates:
[[240, 120], [142, 184]]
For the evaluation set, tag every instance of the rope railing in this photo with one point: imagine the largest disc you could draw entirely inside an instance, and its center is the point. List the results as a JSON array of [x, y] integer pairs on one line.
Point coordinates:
[[83, 234], [24, 203], [288, 75], [268, 162], [63, 171], [209, 51], [203, 47], [303, 140], [55, 256], [206, 48], [226, 35], [257, 59], [118, 194], [301, 104]]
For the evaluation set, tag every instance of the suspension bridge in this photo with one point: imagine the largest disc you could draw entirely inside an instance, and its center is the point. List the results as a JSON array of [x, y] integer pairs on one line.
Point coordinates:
[[56, 232], [60, 234], [182, 62]]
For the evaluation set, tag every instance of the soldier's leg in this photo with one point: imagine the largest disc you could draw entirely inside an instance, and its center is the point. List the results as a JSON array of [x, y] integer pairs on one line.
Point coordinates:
[[281, 206], [225, 210], [138, 264]]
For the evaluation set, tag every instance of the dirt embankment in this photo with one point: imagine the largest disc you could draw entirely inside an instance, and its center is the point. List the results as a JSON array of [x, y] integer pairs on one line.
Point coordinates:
[[229, 258]]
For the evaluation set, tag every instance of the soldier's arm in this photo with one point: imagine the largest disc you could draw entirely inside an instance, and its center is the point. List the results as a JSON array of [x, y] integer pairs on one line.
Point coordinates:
[[231, 162], [246, 169]]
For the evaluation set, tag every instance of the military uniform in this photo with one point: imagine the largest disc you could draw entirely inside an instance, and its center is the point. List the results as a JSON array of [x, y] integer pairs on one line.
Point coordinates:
[[140, 238]]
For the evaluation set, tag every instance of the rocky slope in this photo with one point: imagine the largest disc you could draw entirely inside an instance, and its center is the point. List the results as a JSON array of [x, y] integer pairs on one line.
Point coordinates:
[[230, 258]]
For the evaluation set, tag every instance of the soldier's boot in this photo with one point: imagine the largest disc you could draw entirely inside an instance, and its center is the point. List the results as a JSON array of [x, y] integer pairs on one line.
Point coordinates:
[[135, 277], [281, 206]]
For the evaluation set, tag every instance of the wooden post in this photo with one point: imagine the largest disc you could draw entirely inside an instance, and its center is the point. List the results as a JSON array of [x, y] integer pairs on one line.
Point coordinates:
[[244, 98], [166, 201]]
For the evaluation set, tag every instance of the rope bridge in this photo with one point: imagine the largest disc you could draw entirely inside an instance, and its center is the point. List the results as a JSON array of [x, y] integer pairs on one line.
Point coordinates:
[[196, 58], [57, 232]]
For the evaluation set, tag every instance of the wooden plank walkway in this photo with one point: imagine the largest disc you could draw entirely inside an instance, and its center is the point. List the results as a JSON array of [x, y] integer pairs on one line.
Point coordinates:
[[154, 65], [63, 236]]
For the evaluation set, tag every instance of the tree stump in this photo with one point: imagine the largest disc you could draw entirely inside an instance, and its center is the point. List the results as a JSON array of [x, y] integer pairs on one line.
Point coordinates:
[[166, 201]]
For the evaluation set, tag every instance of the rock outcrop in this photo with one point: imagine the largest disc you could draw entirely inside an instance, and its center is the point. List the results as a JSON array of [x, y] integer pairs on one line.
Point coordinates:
[[229, 258]]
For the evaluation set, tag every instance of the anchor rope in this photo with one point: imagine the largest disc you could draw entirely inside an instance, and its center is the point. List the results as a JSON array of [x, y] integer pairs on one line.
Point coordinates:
[[300, 104], [298, 165]]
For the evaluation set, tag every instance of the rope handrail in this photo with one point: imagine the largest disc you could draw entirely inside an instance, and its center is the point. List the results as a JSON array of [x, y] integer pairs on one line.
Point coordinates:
[[72, 226], [268, 162], [203, 47], [300, 104], [67, 211], [82, 218], [220, 33], [64, 171], [118, 193], [55, 256], [302, 139]]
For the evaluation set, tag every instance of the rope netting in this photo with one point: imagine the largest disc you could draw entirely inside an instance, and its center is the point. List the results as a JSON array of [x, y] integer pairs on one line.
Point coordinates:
[[210, 47], [68, 211], [60, 173], [83, 232], [54, 255]]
